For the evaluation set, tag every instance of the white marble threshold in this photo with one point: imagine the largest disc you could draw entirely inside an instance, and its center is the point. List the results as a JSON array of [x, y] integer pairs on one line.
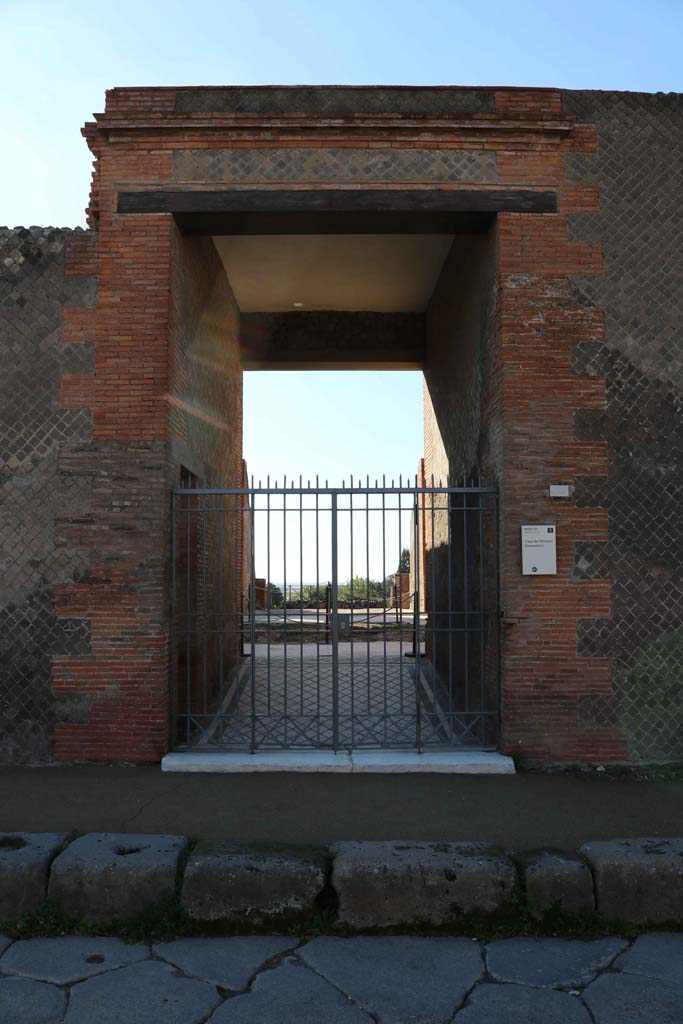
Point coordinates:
[[455, 762]]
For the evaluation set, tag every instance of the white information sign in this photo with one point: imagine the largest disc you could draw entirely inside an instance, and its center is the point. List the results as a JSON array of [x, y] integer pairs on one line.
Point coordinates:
[[539, 556]]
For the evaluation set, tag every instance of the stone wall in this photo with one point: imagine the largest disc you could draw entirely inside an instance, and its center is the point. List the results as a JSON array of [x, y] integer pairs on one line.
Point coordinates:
[[39, 494], [637, 165]]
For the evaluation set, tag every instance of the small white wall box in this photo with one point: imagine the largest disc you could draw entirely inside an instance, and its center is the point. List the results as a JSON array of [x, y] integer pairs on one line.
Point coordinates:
[[560, 491], [539, 556]]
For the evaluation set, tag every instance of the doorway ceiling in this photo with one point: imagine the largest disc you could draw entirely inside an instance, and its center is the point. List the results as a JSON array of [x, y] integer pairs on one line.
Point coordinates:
[[381, 273]]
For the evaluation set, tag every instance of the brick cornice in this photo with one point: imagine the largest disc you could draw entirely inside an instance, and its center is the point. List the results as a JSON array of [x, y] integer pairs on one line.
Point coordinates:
[[305, 125]]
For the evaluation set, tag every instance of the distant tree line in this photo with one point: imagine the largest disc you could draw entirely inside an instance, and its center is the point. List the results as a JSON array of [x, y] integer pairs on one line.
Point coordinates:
[[360, 592]]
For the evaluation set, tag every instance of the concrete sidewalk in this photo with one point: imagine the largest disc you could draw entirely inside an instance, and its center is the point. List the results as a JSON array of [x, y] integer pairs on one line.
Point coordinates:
[[520, 811], [388, 980]]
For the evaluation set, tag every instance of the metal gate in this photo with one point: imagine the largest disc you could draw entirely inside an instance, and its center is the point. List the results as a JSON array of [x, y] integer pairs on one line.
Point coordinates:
[[308, 617]]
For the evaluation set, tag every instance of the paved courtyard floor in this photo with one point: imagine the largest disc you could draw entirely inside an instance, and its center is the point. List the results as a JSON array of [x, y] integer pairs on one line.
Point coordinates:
[[388, 980], [293, 701]]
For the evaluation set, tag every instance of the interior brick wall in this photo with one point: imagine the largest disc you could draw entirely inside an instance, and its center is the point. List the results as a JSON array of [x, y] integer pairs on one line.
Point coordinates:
[[205, 423], [462, 444], [460, 330], [205, 416]]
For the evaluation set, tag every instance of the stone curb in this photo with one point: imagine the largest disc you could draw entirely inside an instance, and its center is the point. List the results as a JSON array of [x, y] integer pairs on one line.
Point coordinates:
[[231, 883], [110, 876], [106, 876], [387, 884]]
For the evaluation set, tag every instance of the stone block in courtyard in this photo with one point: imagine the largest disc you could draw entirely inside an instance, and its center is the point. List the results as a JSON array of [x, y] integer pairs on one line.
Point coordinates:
[[107, 876], [381, 884], [638, 880], [24, 865], [227, 882]]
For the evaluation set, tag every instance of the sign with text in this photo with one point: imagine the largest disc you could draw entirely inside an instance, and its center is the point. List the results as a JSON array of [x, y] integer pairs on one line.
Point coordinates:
[[539, 556]]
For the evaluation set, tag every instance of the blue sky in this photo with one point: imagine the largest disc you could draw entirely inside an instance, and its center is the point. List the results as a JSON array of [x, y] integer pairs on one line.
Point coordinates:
[[58, 57]]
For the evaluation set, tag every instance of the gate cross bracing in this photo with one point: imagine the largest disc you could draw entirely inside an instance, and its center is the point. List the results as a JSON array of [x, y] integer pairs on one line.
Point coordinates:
[[308, 617]]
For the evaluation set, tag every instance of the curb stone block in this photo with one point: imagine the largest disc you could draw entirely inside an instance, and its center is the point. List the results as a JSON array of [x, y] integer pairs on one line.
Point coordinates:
[[112, 876], [390, 883], [227, 882], [24, 865], [557, 879], [638, 880]]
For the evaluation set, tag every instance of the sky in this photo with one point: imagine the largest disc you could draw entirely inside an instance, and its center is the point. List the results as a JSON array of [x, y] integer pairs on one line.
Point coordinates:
[[59, 57]]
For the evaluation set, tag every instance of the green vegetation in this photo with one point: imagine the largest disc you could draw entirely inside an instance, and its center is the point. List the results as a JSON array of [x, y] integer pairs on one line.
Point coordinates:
[[167, 921], [275, 596], [360, 592], [404, 561]]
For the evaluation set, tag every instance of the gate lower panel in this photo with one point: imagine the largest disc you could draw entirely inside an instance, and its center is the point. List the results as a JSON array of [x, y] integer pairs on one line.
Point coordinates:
[[335, 618]]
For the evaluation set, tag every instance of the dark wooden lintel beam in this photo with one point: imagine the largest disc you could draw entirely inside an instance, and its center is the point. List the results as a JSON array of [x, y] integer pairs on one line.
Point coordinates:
[[254, 203]]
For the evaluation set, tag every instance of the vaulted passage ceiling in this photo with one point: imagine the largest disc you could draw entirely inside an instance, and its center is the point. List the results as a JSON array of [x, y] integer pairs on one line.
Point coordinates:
[[380, 273]]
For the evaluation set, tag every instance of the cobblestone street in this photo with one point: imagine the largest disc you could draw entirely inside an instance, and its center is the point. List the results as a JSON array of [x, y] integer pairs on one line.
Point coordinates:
[[389, 980]]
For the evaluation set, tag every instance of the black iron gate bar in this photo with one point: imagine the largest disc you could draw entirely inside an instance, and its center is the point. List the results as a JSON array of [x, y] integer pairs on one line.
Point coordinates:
[[225, 697]]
